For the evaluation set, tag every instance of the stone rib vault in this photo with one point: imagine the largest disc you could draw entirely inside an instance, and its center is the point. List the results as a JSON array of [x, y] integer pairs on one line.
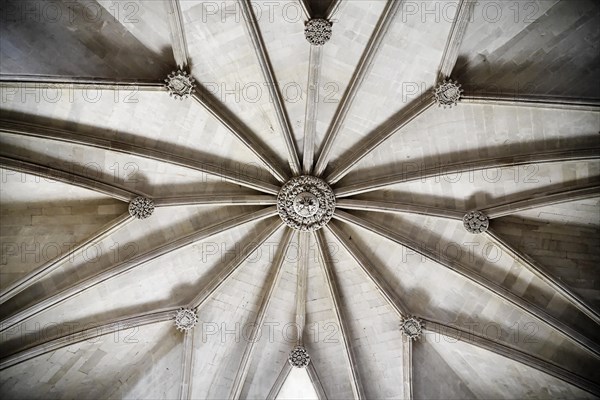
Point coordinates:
[[401, 199]]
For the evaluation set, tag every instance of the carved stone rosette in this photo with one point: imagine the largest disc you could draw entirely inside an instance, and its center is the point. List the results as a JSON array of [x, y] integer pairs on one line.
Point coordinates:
[[141, 207], [185, 319], [179, 84], [299, 357], [476, 222], [411, 327], [317, 31], [447, 93], [306, 203]]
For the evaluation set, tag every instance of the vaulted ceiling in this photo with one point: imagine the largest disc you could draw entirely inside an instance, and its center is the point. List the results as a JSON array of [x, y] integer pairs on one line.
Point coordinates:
[[89, 293]]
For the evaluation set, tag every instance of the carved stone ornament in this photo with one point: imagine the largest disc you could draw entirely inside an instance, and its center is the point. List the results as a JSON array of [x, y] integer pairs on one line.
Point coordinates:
[[476, 222], [411, 327], [185, 319], [317, 31], [447, 93], [299, 357], [179, 84], [306, 203], [141, 207]]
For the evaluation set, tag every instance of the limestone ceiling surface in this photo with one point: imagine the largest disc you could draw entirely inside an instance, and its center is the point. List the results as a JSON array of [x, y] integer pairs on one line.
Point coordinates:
[[89, 293]]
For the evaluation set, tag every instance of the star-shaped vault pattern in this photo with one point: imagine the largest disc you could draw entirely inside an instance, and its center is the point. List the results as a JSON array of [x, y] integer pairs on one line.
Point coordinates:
[[143, 255]]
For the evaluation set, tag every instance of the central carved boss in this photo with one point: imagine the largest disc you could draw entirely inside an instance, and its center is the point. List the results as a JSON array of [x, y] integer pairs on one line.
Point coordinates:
[[306, 203]]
